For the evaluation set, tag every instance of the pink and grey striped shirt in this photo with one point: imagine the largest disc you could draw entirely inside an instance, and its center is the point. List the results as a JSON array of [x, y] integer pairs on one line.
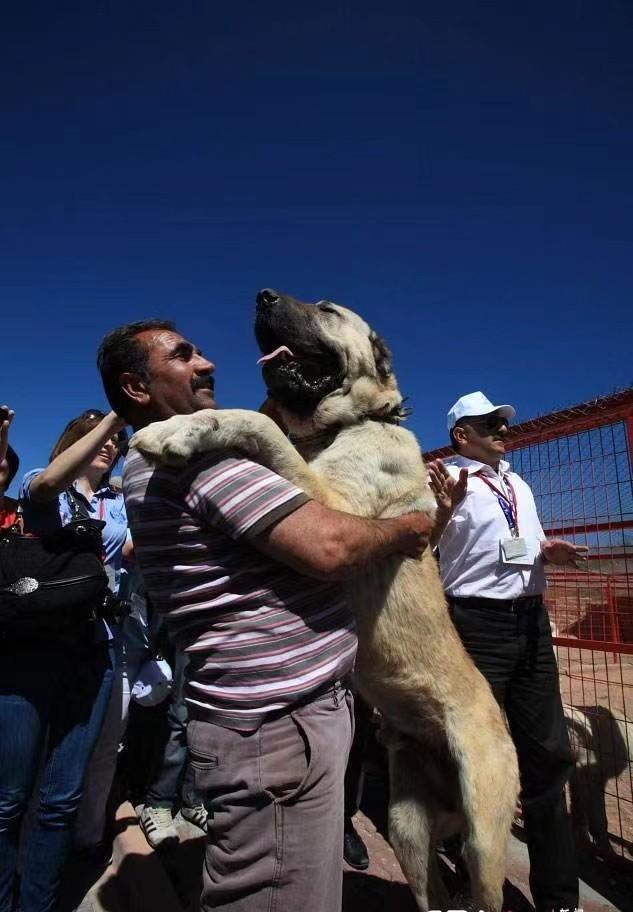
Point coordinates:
[[259, 636]]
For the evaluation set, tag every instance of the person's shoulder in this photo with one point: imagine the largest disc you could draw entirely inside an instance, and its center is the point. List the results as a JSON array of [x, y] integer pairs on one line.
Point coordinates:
[[134, 462], [519, 481], [235, 487], [216, 464], [141, 476], [453, 464], [27, 480], [138, 473]]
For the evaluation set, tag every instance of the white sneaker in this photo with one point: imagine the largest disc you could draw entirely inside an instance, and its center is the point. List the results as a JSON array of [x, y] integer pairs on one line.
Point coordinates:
[[158, 826], [197, 815]]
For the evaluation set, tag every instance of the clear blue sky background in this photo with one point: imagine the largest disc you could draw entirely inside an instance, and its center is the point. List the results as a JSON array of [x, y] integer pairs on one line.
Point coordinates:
[[460, 173]]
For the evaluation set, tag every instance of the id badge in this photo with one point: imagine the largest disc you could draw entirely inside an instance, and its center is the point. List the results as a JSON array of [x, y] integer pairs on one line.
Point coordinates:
[[514, 548]]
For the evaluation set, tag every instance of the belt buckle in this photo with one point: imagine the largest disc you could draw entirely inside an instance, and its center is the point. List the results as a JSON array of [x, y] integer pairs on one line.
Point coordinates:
[[514, 605]]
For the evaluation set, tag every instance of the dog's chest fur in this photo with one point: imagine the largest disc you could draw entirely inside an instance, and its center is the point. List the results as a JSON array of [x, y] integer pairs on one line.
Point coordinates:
[[377, 468]]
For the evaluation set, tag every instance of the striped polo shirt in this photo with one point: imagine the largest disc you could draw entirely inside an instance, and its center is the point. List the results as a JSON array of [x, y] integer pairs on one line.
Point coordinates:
[[260, 637]]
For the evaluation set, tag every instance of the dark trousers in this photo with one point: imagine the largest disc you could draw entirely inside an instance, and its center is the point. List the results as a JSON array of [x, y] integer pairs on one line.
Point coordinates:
[[172, 783], [354, 774], [45, 691], [512, 647]]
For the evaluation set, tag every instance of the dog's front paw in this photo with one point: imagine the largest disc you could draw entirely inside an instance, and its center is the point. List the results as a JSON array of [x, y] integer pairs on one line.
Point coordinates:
[[177, 440]]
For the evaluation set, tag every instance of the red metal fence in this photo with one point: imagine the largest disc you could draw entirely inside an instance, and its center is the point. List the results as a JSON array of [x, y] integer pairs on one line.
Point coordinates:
[[579, 464]]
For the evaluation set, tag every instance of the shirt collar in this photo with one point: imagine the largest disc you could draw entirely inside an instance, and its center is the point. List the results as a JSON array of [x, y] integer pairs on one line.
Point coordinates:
[[462, 462], [105, 491], [100, 494]]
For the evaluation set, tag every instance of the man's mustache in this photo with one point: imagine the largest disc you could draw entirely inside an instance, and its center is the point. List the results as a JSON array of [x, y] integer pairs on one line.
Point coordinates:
[[199, 383]]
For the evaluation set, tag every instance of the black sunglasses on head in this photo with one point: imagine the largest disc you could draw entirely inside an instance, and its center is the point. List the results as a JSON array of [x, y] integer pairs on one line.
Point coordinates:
[[97, 415]]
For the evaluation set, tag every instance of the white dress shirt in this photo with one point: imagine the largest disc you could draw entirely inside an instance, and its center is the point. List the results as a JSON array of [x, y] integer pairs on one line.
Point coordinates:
[[472, 561]]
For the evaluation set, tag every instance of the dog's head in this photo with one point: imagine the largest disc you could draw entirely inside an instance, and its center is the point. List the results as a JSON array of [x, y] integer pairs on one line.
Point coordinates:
[[322, 362]]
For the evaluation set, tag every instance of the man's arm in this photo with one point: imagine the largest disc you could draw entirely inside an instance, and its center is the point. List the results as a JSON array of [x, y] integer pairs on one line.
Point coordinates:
[[329, 545], [558, 550]]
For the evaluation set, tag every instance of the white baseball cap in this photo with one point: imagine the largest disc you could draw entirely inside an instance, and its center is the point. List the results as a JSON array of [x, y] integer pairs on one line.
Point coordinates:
[[475, 404]]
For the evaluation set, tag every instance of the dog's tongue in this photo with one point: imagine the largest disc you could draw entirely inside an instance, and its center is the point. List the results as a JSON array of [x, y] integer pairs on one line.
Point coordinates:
[[282, 350]]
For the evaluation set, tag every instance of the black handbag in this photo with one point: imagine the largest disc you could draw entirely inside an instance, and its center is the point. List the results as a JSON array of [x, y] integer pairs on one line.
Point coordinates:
[[52, 584]]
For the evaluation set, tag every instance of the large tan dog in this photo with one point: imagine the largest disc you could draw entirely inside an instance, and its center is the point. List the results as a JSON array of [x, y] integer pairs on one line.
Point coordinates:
[[452, 763]]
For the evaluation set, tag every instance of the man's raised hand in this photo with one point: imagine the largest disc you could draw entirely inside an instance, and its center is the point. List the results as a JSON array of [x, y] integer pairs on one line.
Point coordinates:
[[449, 491]]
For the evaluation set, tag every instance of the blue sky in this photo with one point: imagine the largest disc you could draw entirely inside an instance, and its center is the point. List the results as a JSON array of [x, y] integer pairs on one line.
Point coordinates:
[[459, 173]]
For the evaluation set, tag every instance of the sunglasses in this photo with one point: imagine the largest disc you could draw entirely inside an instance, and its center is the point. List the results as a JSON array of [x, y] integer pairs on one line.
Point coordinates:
[[121, 437], [490, 423]]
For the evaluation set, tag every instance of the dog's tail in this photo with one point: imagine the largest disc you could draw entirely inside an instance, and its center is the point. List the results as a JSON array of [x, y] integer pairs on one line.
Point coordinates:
[[489, 781]]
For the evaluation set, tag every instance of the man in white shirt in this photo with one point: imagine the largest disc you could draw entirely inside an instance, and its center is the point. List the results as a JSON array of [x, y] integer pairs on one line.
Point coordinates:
[[492, 551]]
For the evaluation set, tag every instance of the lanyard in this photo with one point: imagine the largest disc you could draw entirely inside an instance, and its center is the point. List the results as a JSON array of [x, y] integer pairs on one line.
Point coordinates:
[[507, 502]]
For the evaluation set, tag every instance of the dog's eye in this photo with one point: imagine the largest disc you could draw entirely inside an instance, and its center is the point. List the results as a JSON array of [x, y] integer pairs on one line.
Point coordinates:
[[328, 308]]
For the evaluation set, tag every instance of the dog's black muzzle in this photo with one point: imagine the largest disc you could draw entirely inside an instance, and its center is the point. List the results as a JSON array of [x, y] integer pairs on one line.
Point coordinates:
[[299, 383]]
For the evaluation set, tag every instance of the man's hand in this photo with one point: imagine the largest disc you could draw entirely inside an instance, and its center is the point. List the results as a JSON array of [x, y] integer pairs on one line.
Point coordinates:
[[449, 492], [7, 415], [564, 553], [116, 422], [417, 529]]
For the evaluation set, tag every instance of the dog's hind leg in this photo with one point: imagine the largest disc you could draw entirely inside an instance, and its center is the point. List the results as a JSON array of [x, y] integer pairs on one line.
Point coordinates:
[[411, 831]]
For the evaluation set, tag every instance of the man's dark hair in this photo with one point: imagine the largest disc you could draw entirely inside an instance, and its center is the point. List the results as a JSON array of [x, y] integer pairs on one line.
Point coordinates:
[[120, 353]]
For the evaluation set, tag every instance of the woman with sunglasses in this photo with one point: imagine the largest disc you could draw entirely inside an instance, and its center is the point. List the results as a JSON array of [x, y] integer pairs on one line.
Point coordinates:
[[54, 692]]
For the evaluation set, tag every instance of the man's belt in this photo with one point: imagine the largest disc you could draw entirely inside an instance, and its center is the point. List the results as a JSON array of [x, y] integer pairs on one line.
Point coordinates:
[[334, 689], [507, 606]]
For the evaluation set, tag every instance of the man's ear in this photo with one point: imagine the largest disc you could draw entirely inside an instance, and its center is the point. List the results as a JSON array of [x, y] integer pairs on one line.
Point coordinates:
[[134, 387], [382, 356], [459, 433]]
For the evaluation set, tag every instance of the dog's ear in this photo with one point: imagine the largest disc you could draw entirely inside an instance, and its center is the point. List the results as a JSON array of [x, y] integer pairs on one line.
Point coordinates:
[[382, 355]]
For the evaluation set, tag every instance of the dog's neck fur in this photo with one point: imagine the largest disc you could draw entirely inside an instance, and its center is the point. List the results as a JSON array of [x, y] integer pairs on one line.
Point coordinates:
[[311, 445], [306, 435], [344, 408]]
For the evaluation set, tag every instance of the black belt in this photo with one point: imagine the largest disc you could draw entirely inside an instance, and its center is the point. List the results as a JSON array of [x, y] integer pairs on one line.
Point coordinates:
[[511, 606]]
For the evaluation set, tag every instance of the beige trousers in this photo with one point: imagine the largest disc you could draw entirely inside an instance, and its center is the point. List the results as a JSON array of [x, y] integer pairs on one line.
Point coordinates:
[[275, 798]]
